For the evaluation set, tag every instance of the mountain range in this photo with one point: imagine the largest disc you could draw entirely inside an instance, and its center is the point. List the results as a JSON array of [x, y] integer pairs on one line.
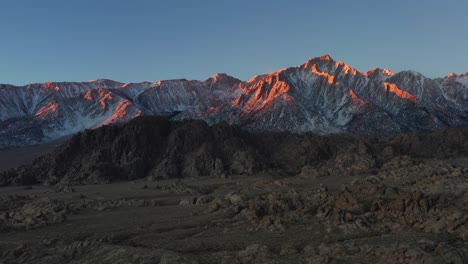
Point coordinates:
[[322, 95]]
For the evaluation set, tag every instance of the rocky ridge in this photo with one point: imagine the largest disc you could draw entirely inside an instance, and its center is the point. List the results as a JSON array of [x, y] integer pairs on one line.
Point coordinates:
[[322, 95]]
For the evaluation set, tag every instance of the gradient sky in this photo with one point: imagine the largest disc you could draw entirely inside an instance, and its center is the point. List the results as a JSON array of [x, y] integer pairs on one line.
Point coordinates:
[[139, 40]]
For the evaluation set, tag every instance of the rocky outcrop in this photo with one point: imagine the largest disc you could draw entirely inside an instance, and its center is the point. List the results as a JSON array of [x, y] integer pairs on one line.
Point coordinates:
[[26, 213]]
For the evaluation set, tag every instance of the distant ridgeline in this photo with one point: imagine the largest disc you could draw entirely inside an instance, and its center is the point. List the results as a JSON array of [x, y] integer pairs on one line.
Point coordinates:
[[322, 95]]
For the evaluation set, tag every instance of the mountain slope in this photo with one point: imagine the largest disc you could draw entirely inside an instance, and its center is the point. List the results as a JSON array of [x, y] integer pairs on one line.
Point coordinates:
[[43, 112], [322, 95], [325, 96]]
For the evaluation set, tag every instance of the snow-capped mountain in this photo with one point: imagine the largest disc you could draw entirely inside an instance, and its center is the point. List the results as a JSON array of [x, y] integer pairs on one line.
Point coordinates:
[[322, 95]]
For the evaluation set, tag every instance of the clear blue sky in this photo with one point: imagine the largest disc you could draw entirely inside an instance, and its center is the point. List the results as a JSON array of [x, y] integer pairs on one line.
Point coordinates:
[[137, 40]]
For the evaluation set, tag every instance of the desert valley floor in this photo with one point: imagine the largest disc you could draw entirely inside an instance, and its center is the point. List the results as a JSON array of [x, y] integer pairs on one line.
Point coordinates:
[[382, 218]]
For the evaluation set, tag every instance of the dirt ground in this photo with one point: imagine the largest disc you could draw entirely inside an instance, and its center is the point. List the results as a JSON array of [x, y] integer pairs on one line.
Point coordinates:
[[408, 212]]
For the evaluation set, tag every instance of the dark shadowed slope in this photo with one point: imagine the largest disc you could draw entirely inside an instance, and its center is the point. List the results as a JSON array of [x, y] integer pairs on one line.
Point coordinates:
[[156, 148]]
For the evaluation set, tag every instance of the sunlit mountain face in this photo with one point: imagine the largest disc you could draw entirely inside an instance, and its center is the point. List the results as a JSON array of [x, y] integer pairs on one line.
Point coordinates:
[[322, 95]]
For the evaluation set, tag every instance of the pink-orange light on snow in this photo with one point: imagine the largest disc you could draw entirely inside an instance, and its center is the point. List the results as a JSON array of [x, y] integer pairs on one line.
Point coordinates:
[[355, 98], [51, 86], [330, 78], [88, 95], [103, 96], [346, 68], [50, 108], [393, 88]]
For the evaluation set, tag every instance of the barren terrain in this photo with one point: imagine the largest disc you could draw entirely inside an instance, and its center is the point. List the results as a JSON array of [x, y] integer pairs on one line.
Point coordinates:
[[384, 218], [310, 200]]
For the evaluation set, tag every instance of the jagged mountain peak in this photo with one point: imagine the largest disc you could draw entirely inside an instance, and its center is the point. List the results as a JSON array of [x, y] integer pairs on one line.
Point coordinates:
[[51, 85], [410, 77], [378, 72], [410, 72], [256, 78], [104, 82], [223, 77], [454, 75], [220, 75], [326, 57], [458, 78], [325, 65]]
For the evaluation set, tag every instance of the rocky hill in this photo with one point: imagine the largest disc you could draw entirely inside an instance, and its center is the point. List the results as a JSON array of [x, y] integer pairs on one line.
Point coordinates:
[[156, 148]]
